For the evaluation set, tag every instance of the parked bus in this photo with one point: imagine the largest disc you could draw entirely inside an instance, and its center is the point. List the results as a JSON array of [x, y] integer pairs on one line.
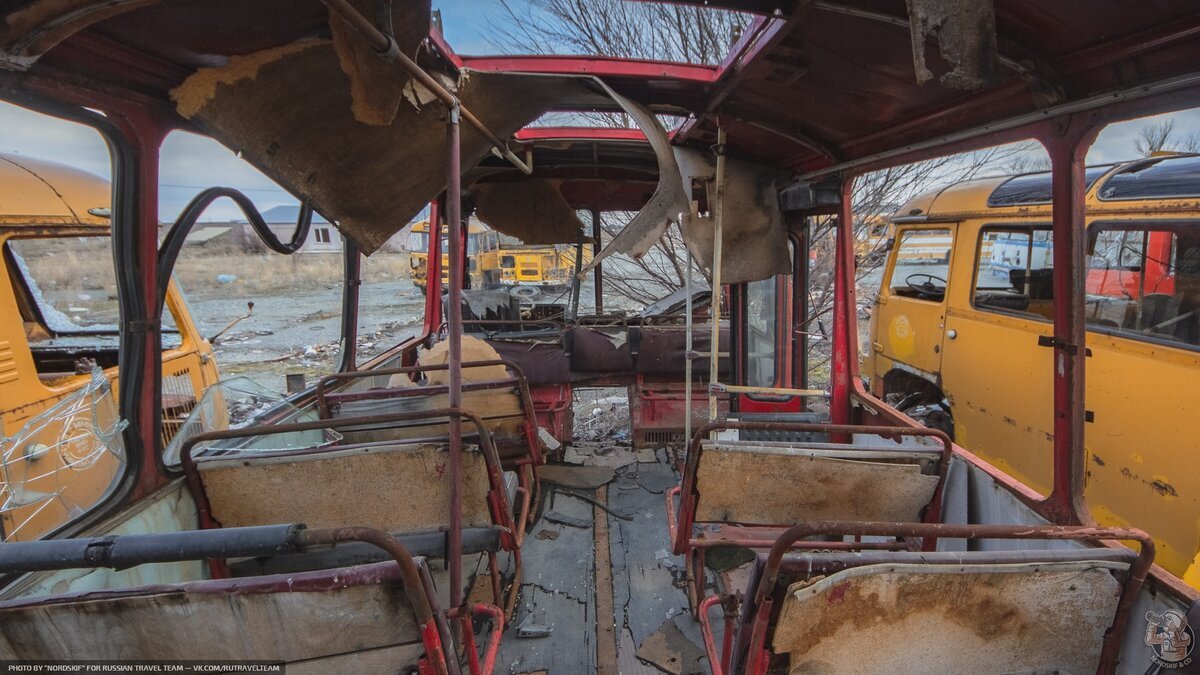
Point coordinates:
[[961, 342], [496, 260], [58, 326]]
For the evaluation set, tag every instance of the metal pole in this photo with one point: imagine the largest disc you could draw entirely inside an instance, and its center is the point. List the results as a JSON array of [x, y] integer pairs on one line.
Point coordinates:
[[576, 282], [454, 352], [687, 361], [714, 349], [598, 280], [1067, 152]]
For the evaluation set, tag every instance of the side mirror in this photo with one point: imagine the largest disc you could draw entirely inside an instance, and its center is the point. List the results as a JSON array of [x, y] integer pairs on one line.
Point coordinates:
[[249, 311]]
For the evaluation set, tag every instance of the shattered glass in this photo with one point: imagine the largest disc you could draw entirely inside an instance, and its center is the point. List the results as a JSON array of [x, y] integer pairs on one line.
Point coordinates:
[[62, 462], [241, 403]]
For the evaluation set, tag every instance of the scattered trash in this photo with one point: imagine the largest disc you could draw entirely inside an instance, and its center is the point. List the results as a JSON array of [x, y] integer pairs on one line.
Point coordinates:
[[669, 649], [547, 534], [570, 521], [529, 629], [226, 278]]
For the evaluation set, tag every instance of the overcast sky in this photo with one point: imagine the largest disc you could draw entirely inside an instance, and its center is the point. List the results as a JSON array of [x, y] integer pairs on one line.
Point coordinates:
[[191, 163]]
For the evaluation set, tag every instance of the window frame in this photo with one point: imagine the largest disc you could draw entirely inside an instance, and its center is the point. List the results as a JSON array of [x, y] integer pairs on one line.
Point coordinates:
[[1093, 230], [1032, 226], [902, 229]]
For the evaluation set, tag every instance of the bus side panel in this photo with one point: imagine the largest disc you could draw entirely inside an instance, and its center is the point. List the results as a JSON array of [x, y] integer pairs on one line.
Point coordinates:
[[1141, 447], [999, 384]]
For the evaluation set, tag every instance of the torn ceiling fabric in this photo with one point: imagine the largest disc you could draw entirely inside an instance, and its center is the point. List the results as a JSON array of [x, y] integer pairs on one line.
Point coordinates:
[[667, 203], [532, 210], [753, 236], [370, 177]]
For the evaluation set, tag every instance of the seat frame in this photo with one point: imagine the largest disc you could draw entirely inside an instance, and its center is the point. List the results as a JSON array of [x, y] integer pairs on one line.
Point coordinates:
[[752, 655]]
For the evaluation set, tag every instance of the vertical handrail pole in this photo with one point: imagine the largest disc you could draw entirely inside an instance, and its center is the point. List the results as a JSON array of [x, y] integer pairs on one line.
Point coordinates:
[[714, 348], [598, 281], [844, 367], [687, 352], [454, 350], [576, 282]]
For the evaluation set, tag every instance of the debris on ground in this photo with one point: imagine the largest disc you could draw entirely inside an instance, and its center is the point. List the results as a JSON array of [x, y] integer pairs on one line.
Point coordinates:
[[669, 649], [569, 521], [529, 629], [579, 477], [601, 414]]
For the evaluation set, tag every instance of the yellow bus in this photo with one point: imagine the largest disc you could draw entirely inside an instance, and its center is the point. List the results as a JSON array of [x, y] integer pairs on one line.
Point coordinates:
[[495, 260], [958, 336], [58, 346], [482, 255]]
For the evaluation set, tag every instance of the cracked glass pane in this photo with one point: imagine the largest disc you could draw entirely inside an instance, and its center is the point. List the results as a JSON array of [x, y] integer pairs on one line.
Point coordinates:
[[241, 403], [63, 462]]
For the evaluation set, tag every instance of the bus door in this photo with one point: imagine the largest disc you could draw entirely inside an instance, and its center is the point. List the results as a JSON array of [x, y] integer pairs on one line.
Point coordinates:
[[764, 344], [910, 311]]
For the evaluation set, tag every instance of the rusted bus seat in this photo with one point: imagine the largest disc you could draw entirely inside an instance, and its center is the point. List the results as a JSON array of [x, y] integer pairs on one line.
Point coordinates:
[[1032, 610], [401, 487], [378, 618], [504, 404], [745, 493]]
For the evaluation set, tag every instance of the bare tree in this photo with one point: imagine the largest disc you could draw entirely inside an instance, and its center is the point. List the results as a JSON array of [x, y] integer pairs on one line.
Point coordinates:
[[645, 30], [1153, 138]]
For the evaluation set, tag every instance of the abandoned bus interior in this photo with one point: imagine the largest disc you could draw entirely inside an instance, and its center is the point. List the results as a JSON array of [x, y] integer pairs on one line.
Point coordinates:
[[427, 510]]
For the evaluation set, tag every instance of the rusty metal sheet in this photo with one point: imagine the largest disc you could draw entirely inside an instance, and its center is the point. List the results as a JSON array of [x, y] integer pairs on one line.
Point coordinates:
[[1015, 618], [754, 239], [371, 179], [964, 32], [532, 210], [777, 488]]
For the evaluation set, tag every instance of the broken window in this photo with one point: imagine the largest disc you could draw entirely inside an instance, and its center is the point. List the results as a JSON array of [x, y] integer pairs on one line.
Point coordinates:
[[239, 403], [66, 292], [1143, 281], [61, 463], [1015, 271]]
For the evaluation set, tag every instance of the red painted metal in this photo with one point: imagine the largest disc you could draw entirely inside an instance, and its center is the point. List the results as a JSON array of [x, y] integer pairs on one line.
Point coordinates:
[[600, 66], [845, 313], [497, 617], [717, 663], [530, 134], [456, 225], [1067, 153], [433, 272]]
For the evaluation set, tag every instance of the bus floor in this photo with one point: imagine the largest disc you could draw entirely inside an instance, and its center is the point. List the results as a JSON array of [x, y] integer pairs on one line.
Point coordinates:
[[606, 587]]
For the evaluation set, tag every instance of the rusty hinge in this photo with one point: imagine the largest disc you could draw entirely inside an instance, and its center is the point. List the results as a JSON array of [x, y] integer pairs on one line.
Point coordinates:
[[1072, 349]]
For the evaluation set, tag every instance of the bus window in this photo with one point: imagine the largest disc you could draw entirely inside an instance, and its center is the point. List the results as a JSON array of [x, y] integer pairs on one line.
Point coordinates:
[[1144, 282], [922, 264], [1015, 270], [68, 292], [760, 332]]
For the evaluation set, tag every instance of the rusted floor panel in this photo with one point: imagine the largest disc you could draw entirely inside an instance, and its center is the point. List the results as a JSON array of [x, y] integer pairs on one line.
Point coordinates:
[[559, 586]]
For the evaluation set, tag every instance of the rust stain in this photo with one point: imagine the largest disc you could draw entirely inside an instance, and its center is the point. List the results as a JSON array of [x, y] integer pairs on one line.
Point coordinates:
[[1164, 488], [837, 593], [1097, 460]]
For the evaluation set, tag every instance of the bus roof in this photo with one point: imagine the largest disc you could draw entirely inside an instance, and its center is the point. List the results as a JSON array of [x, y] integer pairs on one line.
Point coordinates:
[[37, 192], [1159, 177]]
